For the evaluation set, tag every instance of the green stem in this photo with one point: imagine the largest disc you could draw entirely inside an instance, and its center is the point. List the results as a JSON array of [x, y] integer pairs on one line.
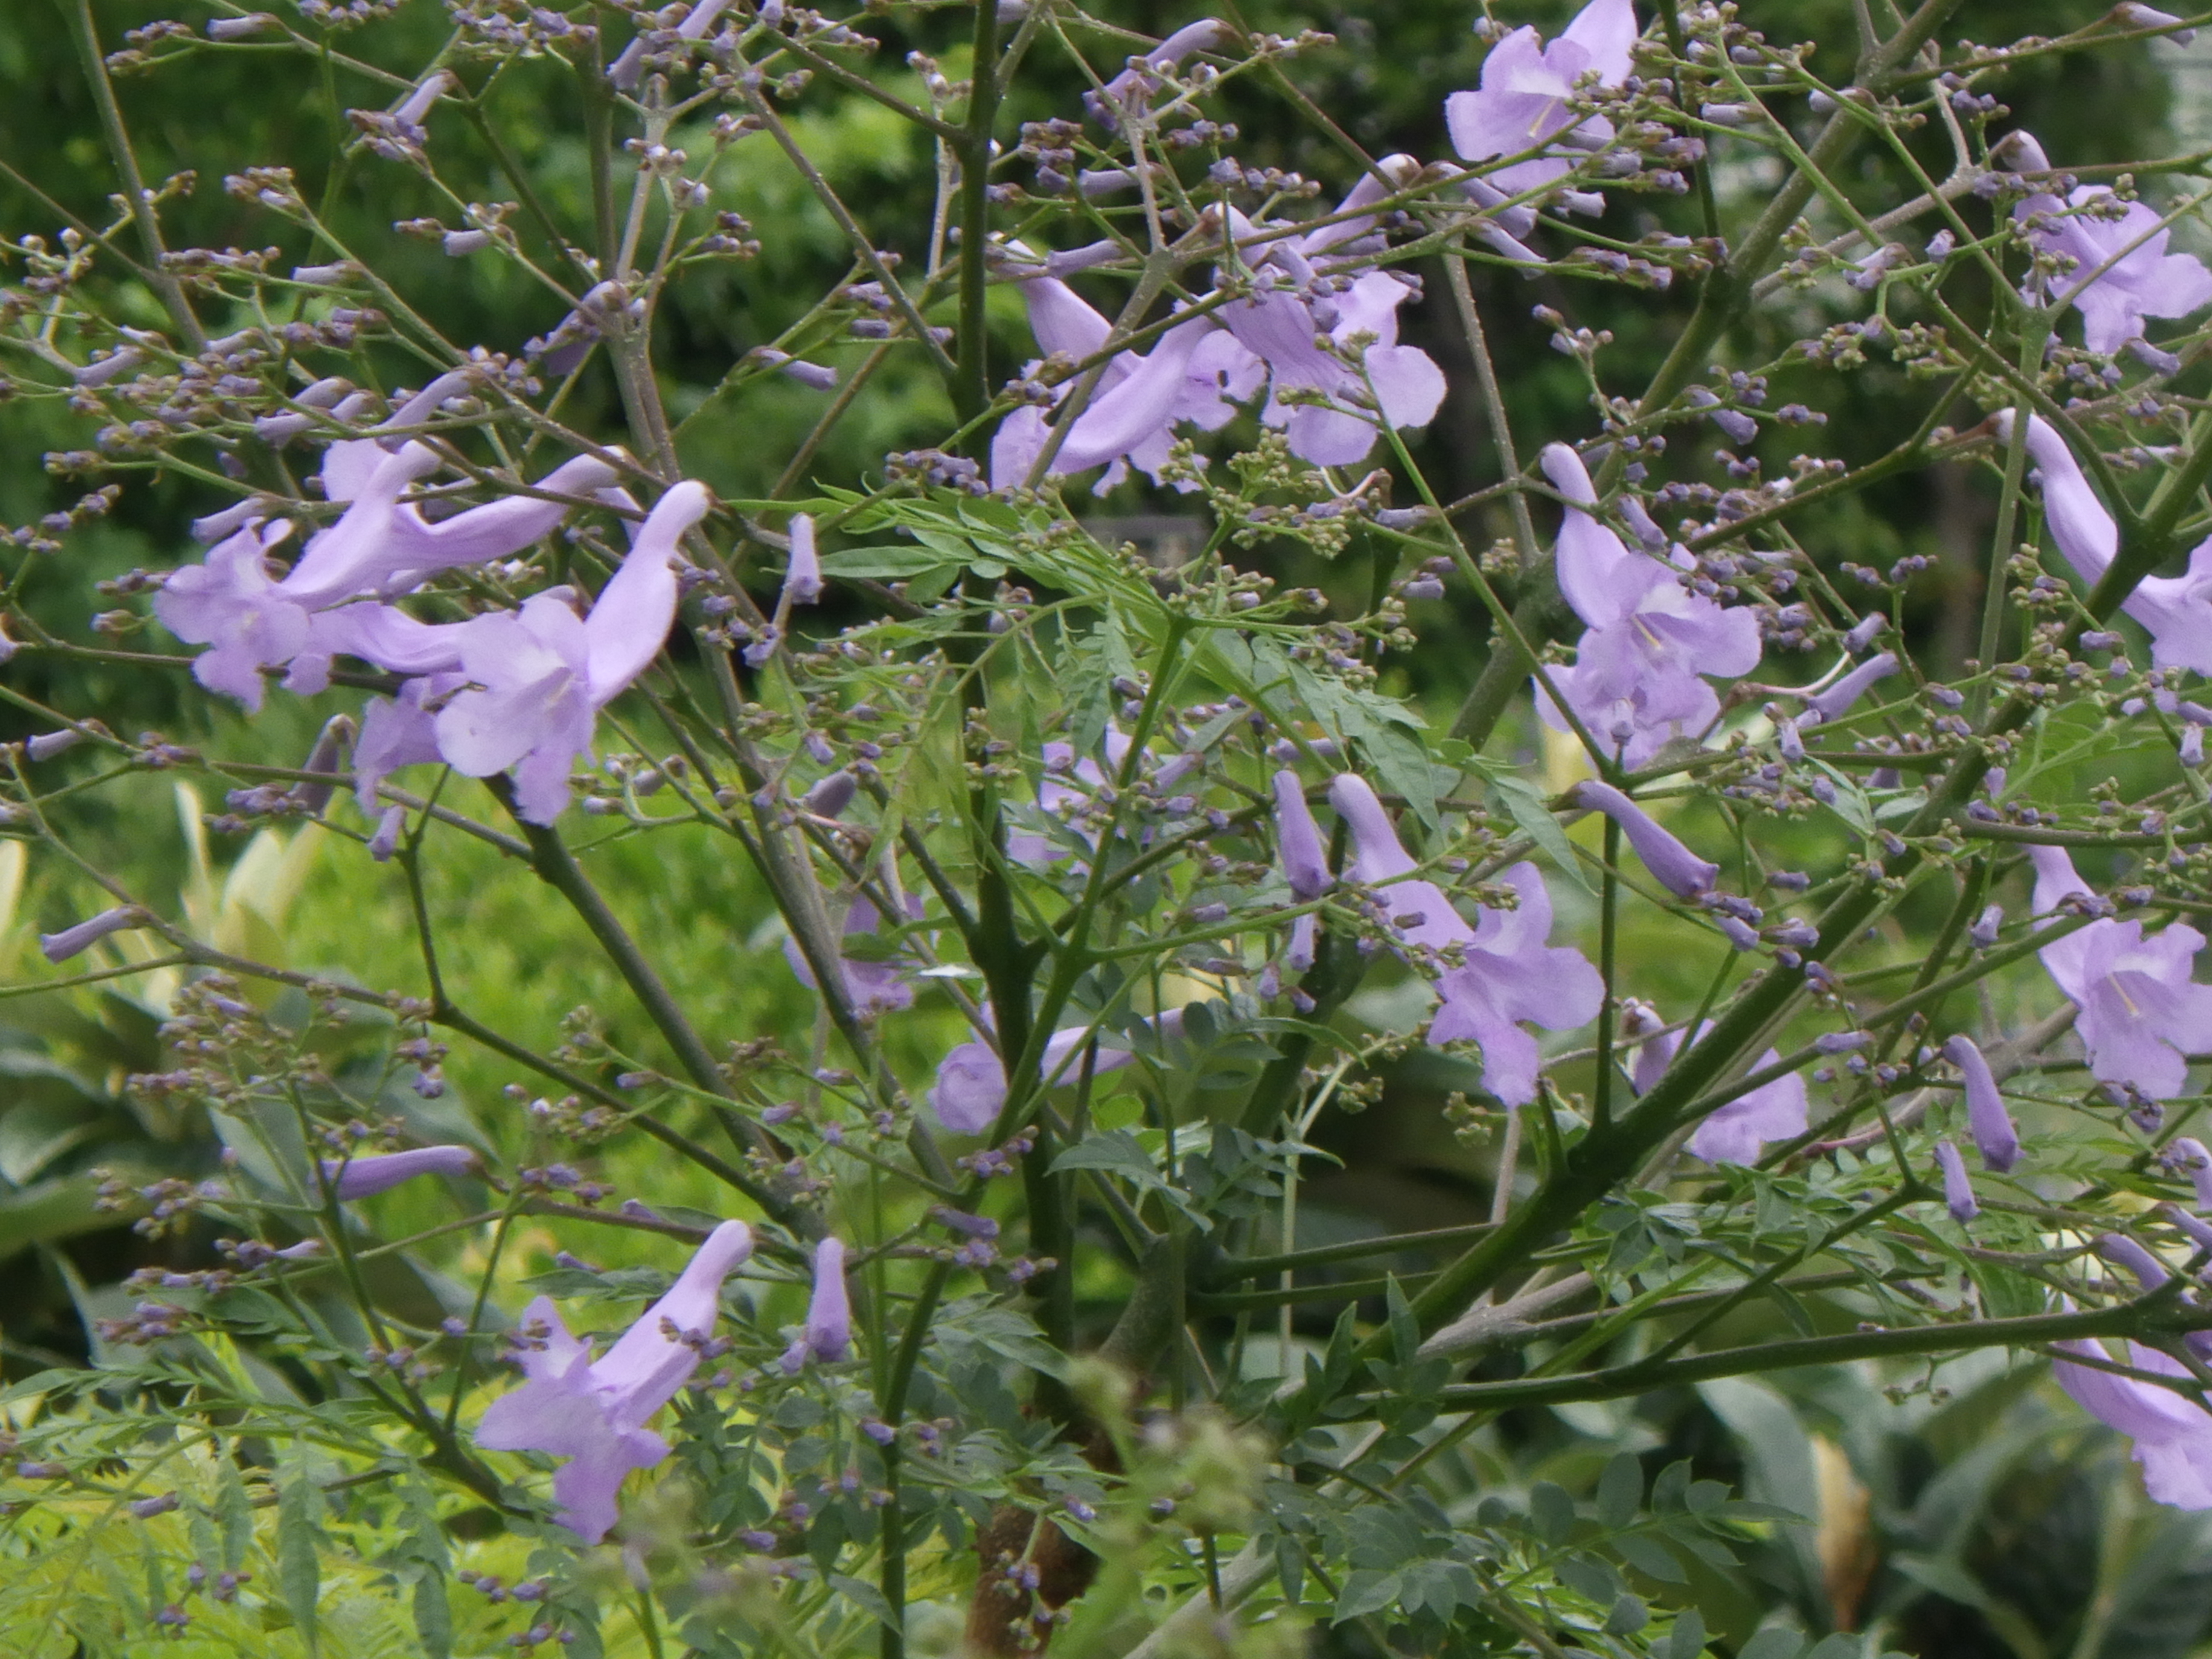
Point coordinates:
[[972, 383], [136, 197]]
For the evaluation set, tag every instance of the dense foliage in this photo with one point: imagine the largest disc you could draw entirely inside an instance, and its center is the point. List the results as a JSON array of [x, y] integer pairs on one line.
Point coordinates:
[[988, 830]]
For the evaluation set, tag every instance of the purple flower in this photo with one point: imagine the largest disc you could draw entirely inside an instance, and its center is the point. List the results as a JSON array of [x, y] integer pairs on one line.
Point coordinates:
[[2189, 1156], [2133, 13], [1509, 973], [2175, 611], [1995, 1138], [830, 797], [828, 1335], [1735, 1133], [1311, 344], [60, 947], [2172, 1434], [1681, 872], [1732, 1134], [2121, 273], [378, 546], [871, 988], [802, 576], [2142, 1014], [627, 70], [362, 1177], [1834, 702], [1131, 91], [1521, 102], [1958, 1185], [1984, 930], [594, 1413], [1637, 676], [1191, 372], [971, 1083], [539, 676], [385, 841], [1297, 840], [1057, 796]]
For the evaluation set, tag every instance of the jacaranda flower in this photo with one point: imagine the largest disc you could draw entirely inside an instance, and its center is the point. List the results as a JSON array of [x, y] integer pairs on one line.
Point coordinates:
[[2142, 1014], [2173, 1435], [2175, 611], [1509, 975], [971, 1082], [1995, 1138], [1676, 868], [2121, 272], [1734, 1132], [360, 1177], [1521, 102], [594, 1413], [1637, 681], [828, 1335], [539, 676], [1958, 1185], [1297, 840], [871, 988]]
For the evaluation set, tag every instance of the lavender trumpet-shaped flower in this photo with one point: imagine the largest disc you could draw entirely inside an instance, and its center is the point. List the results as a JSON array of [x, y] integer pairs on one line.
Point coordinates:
[[1637, 678], [871, 988], [2190, 1156], [2142, 1013], [1335, 336], [1130, 92], [971, 1082], [2175, 611], [2173, 1435], [60, 947], [627, 70], [1509, 975], [828, 1335], [830, 797], [1836, 702], [538, 678], [594, 1413], [1734, 1132], [363, 1177], [1297, 840], [378, 546], [1681, 872], [2133, 14], [1995, 1138], [1191, 374], [2121, 271], [384, 842], [1958, 1185], [802, 576], [1521, 102]]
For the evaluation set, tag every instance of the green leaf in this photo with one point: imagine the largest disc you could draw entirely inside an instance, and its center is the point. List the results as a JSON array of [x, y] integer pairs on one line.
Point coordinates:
[[1526, 802], [298, 1570], [1365, 1592], [434, 1620], [1619, 1490], [1551, 1511], [1629, 1615], [1405, 1329], [867, 1597], [1650, 1557], [886, 563], [1772, 1642], [234, 1510], [1688, 1640], [1115, 1152]]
